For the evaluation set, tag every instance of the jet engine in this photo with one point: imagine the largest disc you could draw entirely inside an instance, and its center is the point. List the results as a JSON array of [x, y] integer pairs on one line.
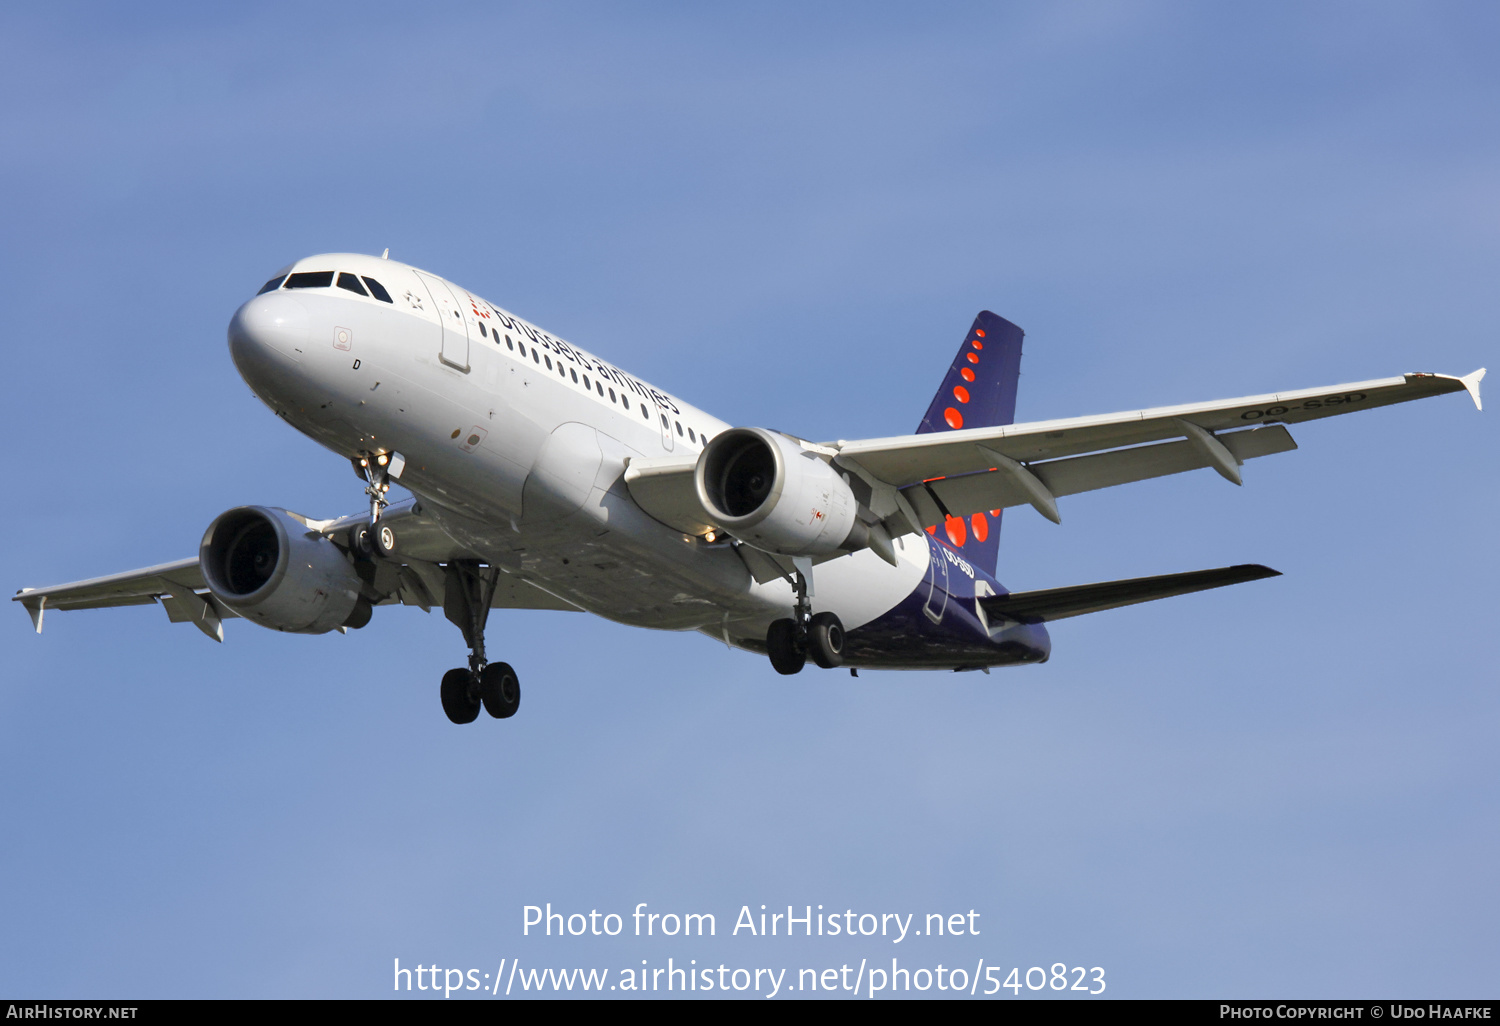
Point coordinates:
[[265, 564], [768, 491]]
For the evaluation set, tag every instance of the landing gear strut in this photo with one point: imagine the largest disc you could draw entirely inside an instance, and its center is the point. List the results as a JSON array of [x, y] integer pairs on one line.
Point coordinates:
[[375, 538], [789, 641], [468, 591], [376, 472]]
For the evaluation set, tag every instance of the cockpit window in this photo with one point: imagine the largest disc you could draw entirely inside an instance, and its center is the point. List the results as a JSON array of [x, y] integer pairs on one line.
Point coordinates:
[[271, 285], [310, 280], [351, 282], [378, 290]]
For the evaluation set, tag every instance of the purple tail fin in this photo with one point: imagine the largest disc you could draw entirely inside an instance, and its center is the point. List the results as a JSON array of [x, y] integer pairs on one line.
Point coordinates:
[[979, 390]]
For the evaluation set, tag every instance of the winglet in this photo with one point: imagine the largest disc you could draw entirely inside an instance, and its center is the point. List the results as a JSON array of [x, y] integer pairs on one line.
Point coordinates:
[[1471, 382], [36, 607]]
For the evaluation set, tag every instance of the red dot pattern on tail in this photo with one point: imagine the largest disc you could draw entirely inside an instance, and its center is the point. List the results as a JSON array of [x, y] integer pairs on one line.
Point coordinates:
[[981, 526], [955, 529], [973, 400]]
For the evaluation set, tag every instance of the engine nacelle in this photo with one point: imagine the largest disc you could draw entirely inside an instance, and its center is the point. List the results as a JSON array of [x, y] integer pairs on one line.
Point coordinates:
[[261, 562], [765, 489]]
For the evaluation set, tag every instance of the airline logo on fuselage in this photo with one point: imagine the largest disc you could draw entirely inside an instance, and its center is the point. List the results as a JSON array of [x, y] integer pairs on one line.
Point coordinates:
[[562, 350]]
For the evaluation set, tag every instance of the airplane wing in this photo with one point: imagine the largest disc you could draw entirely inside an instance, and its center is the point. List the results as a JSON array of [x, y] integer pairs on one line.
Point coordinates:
[[1060, 603], [916, 481], [417, 579], [965, 471], [175, 585]]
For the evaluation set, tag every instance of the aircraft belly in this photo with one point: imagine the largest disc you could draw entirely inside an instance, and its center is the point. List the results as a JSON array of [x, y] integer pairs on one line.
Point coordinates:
[[905, 638], [605, 571], [939, 624]]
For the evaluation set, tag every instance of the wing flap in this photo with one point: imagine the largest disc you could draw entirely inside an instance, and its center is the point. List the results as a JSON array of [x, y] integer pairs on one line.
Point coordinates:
[[1061, 603], [997, 489], [108, 602]]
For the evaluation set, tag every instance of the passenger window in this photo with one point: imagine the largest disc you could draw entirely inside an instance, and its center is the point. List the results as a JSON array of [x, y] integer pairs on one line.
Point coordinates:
[[679, 428], [664, 421], [600, 386], [691, 436], [378, 290], [483, 332], [310, 280], [351, 282], [549, 362], [623, 401], [575, 376], [534, 355], [611, 395], [586, 382], [522, 346], [274, 283], [508, 343]]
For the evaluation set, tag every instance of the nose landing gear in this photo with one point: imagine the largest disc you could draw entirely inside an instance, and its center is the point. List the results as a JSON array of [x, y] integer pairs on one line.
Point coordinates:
[[377, 471], [468, 591]]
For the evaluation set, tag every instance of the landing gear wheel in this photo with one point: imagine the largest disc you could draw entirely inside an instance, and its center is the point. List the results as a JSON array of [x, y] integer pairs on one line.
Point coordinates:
[[500, 690], [788, 654], [825, 640], [384, 540], [460, 693], [361, 541]]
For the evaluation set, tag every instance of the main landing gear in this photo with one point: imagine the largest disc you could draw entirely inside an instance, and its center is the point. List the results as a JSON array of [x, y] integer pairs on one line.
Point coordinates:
[[789, 641], [469, 589]]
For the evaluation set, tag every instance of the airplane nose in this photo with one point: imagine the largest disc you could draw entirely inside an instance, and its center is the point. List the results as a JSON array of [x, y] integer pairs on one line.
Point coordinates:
[[274, 323]]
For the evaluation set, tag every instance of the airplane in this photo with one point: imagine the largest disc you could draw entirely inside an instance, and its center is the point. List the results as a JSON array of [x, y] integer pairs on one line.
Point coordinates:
[[543, 477]]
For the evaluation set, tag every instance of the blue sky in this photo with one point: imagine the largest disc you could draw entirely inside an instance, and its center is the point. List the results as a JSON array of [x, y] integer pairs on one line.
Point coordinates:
[[788, 214]]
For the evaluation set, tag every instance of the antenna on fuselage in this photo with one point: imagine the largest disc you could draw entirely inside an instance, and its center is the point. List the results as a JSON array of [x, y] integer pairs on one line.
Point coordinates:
[[387, 254]]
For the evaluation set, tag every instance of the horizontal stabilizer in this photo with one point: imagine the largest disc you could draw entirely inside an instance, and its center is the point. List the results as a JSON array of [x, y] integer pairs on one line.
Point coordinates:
[[1060, 603]]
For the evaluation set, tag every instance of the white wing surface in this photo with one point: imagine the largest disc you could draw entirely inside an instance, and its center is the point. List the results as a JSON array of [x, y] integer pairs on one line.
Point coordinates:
[[415, 578], [959, 472], [915, 481], [175, 585]]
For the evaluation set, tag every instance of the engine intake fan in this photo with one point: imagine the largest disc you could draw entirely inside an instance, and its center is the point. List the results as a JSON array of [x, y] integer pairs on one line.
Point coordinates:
[[264, 564], [767, 490]]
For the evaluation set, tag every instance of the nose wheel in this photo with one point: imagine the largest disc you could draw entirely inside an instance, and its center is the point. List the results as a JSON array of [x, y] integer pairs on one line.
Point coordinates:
[[468, 591]]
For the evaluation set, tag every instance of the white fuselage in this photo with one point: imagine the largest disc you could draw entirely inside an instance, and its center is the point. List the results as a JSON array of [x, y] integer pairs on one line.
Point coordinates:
[[515, 444]]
